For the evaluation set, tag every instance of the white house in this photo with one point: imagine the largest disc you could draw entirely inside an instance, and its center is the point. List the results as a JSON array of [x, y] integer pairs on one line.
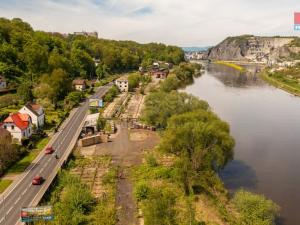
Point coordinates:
[[18, 125], [36, 112], [3, 84], [122, 84], [79, 84]]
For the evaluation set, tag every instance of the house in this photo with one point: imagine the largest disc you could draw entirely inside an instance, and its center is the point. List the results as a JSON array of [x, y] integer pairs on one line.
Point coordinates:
[[122, 84], [159, 74], [79, 84], [3, 84], [36, 112], [19, 125]]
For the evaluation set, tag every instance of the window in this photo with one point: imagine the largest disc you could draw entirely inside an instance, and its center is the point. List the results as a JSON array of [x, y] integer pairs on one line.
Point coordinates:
[[12, 127], [4, 126]]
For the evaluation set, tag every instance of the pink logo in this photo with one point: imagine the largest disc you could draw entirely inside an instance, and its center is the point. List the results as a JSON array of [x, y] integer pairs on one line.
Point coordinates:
[[297, 21]]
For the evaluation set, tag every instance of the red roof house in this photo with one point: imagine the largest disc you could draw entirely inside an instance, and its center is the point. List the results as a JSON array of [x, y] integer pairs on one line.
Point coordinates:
[[19, 125]]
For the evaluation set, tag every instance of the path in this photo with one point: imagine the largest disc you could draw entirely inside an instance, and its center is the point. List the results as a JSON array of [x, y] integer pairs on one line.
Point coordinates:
[[126, 151]]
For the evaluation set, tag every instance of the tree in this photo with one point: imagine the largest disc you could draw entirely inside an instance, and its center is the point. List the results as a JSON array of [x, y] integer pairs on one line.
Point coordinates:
[[24, 91], [8, 152], [36, 58], [170, 84], [201, 141], [102, 71], [255, 209], [160, 106], [133, 81], [73, 99], [83, 62], [57, 61], [101, 122]]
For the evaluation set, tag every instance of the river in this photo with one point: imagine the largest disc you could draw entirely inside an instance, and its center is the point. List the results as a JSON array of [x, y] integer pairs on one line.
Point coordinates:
[[265, 123]]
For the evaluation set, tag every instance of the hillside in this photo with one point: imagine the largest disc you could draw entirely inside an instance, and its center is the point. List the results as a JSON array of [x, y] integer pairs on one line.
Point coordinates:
[[256, 49]]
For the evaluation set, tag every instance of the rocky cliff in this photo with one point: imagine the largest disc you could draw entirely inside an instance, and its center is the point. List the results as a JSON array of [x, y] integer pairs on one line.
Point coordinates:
[[255, 49]]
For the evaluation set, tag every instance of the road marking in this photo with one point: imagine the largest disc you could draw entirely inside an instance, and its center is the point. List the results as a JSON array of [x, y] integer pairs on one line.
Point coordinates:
[[24, 191], [17, 200], [9, 210]]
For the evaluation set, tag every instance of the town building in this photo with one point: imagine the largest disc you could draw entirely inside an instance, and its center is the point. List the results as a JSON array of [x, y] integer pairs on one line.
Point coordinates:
[[79, 84], [122, 84], [159, 74], [3, 83], [36, 112], [19, 125]]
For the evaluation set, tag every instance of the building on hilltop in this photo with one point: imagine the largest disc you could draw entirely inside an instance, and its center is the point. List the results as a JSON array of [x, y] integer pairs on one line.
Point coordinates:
[[87, 34], [36, 112], [19, 125]]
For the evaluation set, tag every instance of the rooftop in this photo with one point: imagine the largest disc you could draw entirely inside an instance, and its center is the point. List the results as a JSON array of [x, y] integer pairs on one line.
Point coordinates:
[[79, 82], [19, 119]]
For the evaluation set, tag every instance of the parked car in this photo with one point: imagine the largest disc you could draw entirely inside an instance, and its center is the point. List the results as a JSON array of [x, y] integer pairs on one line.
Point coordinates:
[[37, 180], [49, 150]]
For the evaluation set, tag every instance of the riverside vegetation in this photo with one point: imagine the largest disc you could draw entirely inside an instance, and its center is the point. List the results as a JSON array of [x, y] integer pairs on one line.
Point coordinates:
[[179, 182], [40, 66], [287, 79]]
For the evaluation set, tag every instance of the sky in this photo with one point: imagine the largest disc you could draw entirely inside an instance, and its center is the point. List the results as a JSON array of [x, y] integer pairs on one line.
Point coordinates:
[[175, 22]]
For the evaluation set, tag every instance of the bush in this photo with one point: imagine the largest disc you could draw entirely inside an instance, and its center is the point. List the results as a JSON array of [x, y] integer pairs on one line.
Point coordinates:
[[111, 94], [255, 209], [142, 191], [151, 160], [159, 208]]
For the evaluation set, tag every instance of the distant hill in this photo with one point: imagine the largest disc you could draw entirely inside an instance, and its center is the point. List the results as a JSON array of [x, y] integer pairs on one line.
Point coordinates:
[[256, 49], [195, 49]]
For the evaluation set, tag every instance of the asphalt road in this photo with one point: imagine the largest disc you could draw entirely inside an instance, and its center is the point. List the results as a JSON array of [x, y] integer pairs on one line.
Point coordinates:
[[24, 192]]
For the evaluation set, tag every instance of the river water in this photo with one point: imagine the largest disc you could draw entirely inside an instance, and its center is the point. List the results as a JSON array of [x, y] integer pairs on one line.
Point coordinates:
[[265, 123]]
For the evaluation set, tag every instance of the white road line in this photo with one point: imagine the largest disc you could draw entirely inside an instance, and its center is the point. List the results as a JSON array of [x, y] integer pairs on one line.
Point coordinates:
[[24, 191], [17, 200], [9, 210]]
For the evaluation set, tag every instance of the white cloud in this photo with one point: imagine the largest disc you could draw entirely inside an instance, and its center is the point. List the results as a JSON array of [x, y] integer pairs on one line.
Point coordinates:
[[185, 23]]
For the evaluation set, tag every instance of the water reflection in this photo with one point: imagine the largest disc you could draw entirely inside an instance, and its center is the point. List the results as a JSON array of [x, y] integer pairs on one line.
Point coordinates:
[[234, 78], [238, 174]]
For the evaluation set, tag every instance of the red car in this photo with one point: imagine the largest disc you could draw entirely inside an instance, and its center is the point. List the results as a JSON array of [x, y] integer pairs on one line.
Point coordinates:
[[49, 150], [37, 180]]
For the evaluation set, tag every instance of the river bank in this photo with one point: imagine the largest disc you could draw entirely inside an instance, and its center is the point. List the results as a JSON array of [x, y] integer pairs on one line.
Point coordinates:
[[282, 81], [264, 123]]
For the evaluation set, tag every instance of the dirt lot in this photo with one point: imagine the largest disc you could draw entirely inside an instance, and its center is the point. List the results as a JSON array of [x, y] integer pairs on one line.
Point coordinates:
[[126, 151]]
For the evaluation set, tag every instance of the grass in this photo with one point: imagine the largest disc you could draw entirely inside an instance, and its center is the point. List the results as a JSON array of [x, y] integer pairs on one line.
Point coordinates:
[[232, 65], [22, 164], [281, 81], [4, 183]]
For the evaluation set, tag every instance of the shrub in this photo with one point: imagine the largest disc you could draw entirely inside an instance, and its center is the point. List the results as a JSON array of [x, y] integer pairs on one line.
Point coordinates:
[[142, 191], [255, 209]]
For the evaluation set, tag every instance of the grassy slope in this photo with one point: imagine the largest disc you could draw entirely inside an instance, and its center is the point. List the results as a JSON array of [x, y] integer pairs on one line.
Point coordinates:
[[4, 183], [284, 83]]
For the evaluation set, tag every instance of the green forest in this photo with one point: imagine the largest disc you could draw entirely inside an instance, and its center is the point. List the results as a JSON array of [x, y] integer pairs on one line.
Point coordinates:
[[42, 65]]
